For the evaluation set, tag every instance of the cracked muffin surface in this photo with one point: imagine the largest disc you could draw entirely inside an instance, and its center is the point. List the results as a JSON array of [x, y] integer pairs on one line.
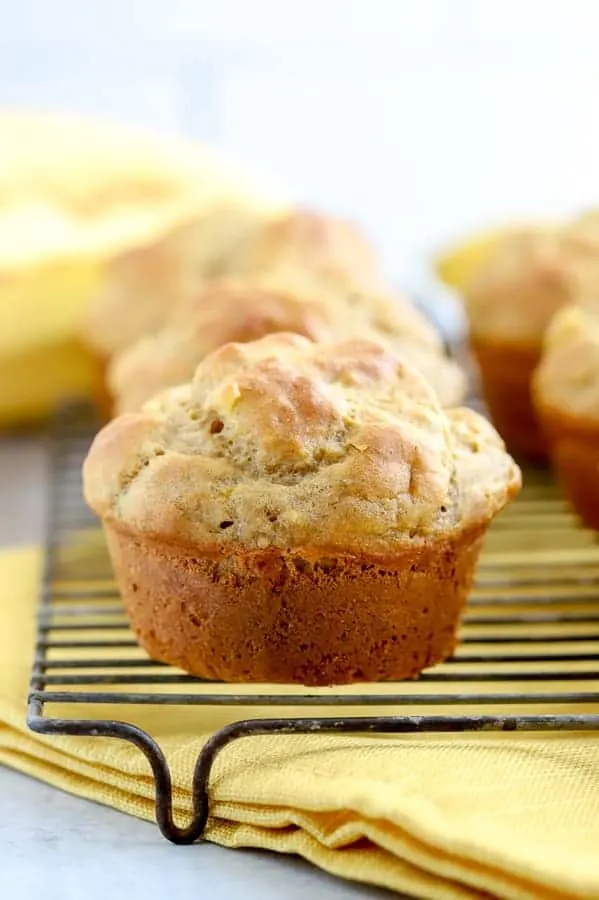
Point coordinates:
[[282, 442]]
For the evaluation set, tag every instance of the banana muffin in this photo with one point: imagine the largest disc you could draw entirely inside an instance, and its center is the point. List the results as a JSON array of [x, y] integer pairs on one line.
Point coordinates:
[[236, 310], [141, 286], [299, 512], [510, 302], [332, 250], [566, 395]]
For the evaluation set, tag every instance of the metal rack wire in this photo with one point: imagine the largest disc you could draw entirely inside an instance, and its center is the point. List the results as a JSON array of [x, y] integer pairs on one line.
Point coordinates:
[[530, 642]]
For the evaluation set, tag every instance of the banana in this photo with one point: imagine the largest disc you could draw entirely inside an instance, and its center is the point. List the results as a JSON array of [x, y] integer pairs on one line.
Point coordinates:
[[34, 382]]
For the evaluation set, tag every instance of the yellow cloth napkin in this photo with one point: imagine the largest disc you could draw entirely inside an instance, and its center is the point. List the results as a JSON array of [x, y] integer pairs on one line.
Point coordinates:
[[437, 817]]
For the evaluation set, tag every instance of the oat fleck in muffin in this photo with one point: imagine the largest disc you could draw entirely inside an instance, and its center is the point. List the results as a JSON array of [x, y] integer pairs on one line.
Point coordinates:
[[510, 302], [566, 395], [298, 513], [235, 310]]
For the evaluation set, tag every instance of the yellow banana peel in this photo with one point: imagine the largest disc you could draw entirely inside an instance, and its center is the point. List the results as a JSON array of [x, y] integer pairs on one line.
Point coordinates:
[[43, 305], [41, 361]]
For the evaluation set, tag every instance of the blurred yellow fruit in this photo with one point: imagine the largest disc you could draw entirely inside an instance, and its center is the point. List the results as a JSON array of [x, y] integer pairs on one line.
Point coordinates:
[[41, 362], [43, 304], [33, 382]]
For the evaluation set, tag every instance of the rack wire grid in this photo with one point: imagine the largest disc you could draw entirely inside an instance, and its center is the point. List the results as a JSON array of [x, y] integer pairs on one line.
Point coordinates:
[[529, 642]]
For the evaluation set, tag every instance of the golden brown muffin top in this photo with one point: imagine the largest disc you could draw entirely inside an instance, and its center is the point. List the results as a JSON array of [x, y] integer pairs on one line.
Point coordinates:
[[239, 310], [568, 375], [286, 443], [527, 278]]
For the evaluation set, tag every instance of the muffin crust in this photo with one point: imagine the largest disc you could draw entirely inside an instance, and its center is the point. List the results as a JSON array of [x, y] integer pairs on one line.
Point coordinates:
[[299, 513], [299, 444], [239, 310]]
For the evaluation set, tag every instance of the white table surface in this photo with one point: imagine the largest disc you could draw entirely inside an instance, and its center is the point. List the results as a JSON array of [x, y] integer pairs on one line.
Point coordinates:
[[57, 847]]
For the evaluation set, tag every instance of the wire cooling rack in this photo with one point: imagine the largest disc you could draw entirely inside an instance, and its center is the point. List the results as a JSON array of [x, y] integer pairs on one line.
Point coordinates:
[[530, 643]]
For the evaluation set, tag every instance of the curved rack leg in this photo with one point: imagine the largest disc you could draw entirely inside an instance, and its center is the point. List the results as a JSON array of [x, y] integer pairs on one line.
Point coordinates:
[[159, 765], [257, 727]]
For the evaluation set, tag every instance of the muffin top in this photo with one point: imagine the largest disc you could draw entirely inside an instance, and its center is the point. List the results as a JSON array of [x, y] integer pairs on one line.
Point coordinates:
[[329, 249], [568, 375], [234, 310], [141, 287], [526, 278], [285, 443]]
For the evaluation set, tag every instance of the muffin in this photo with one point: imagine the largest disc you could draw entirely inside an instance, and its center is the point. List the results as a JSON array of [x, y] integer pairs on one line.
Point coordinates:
[[456, 264], [299, 512], [509, 303], [241, 310], [566, 396], [332, 250], [141, 286]]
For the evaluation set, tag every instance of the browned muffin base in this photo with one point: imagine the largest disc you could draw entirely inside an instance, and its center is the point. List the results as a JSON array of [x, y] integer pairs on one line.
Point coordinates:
[[506, 370], [277, 616], [574, 449]]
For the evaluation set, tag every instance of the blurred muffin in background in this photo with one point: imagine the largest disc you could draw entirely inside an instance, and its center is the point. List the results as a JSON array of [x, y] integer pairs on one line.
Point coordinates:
[[327, 255], [510, 301], [333, 251], [141, 287], [566, 396], [457, 263], [238, 310]]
